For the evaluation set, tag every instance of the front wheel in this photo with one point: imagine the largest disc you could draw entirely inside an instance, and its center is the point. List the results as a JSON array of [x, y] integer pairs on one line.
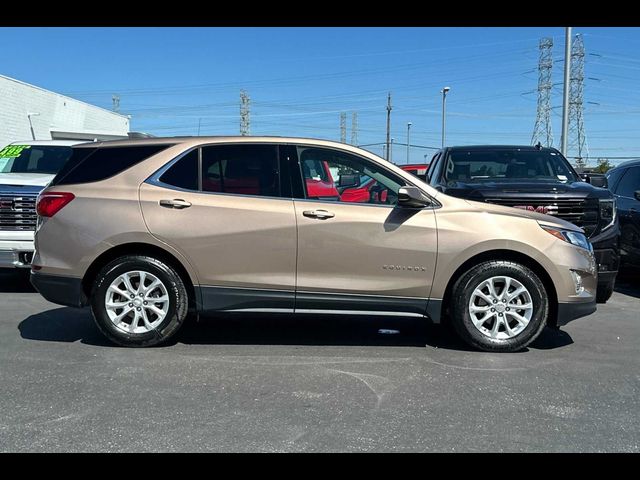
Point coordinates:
[[499, 306], [139, 301]]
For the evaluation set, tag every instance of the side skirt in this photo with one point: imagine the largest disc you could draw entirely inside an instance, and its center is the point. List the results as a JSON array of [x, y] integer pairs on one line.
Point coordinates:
[[250, 300]]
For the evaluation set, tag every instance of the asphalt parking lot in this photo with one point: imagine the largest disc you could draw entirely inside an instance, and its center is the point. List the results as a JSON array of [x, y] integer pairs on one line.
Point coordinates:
[[280, 384]]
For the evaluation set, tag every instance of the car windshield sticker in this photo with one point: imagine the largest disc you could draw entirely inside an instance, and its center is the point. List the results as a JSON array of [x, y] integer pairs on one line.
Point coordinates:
[[562, 178], [12, 151]]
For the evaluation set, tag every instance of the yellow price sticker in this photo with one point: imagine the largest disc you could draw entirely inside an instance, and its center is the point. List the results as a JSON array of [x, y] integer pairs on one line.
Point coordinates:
[[12, 151]]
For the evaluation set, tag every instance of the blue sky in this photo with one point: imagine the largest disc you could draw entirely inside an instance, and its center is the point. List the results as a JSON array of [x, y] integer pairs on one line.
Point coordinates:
[[170, 80]]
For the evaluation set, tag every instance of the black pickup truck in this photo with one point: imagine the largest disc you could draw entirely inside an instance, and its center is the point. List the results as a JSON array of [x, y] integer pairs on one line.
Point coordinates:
[[538, 179]]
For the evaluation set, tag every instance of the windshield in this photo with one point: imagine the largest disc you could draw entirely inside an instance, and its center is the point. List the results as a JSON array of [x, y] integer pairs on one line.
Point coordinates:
[[47, 159], [474, 166]]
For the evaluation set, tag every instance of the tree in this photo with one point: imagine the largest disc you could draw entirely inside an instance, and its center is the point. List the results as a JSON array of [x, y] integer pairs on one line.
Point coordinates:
[[603, 165]]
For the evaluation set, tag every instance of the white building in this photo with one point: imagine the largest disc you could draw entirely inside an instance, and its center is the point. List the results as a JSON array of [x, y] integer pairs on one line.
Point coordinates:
[[28, 112]]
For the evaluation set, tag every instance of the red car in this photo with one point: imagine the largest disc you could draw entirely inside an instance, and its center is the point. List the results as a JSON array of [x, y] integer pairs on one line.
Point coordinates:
[[320, 183], [417, 169]]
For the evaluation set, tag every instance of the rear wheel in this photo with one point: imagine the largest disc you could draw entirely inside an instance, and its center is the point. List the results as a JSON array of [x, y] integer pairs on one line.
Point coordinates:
[[139, 301], [499, 306]]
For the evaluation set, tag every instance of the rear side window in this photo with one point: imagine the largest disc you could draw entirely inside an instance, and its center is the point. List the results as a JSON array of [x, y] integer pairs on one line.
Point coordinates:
[[88, 165], [241, 169], [183, 173]]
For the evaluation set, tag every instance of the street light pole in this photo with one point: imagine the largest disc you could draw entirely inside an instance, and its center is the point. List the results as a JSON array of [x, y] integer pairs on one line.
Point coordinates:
[[408, 139], [444, 111], [29, 115]]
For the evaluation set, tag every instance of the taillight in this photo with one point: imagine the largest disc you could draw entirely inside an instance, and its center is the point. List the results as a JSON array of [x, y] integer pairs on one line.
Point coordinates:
[[50, 203]]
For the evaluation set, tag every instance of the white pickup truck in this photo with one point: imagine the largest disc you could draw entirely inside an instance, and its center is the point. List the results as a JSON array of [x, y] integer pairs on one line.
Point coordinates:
[[25, 169]]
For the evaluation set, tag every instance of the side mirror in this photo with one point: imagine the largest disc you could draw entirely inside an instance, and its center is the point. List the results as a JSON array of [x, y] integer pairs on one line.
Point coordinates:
[[349, 181], [412, 197], [599, 182], [637, 194]]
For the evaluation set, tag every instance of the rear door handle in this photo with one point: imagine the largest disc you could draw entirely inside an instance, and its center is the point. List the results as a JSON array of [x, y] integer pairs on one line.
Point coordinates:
[[177, 203], [320, 214]]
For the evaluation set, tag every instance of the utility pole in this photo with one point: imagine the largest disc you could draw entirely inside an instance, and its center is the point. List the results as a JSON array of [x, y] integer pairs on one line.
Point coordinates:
[[565, 92], [245, 113], [343, 127], [542, 129], [391, 150], [577, 139], [388, 125], [115, 99], [354, 128], [408, 139]]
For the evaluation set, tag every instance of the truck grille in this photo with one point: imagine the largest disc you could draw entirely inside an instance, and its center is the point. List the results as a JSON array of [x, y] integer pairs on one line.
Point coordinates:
[[18, 213], [579, 211]]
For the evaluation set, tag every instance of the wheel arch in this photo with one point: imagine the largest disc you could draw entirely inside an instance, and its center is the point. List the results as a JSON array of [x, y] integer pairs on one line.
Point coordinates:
[[137, 248], [508, 255]]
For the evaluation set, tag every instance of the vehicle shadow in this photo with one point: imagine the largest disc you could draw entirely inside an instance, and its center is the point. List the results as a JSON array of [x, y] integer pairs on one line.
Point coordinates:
[[628, 282], [15, 281], [72, 325], [63, 324]]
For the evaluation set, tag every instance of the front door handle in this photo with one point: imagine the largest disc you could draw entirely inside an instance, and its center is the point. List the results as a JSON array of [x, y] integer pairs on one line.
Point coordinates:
[[320, 214], [177, 203]]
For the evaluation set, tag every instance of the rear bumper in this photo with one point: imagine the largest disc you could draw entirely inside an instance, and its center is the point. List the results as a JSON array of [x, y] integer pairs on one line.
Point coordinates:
[[572, 311], [61, 290]]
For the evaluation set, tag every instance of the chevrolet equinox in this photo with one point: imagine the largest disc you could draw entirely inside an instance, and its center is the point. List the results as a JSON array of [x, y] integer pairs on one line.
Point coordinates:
[[146, 231]]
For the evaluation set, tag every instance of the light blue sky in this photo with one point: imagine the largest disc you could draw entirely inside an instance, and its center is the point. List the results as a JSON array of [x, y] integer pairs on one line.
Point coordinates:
[[300, 79]]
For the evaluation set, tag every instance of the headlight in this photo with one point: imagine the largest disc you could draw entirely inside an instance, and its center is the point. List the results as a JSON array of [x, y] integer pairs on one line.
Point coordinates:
[[607, 212], [574, 238]]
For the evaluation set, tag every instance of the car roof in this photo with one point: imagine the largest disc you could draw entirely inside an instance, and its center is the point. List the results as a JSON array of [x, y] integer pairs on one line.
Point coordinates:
[[501, 147], [58, 143], [193, 141], [628, 163]]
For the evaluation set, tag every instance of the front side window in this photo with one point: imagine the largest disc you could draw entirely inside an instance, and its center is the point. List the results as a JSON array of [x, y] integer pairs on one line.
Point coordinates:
[[473, 166], [629, 183], [33, 158], [343, 177], [241, 169]]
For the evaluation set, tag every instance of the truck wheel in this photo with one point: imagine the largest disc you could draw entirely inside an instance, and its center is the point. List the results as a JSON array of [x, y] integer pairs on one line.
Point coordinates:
[[604, 292], [499, 306], [138, 301]]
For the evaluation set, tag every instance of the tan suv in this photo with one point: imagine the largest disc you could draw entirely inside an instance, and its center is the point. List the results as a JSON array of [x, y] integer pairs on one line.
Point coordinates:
[[145, 231]]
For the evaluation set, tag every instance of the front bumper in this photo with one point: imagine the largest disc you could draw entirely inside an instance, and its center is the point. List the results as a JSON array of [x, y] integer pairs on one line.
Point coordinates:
[[61, 290], [16, 258], [607, 252], [572, 311]]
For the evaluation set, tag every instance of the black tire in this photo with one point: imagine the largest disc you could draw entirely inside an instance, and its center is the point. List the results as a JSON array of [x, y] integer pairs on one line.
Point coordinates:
[[176, 311], [462, 293], [604, 292]]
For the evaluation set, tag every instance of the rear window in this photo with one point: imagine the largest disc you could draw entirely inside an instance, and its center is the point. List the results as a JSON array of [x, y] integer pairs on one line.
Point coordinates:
[[88, 165], [46, 159]]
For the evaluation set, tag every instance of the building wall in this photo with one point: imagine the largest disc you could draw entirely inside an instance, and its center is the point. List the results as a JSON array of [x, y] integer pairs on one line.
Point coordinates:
[[60, 117]]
